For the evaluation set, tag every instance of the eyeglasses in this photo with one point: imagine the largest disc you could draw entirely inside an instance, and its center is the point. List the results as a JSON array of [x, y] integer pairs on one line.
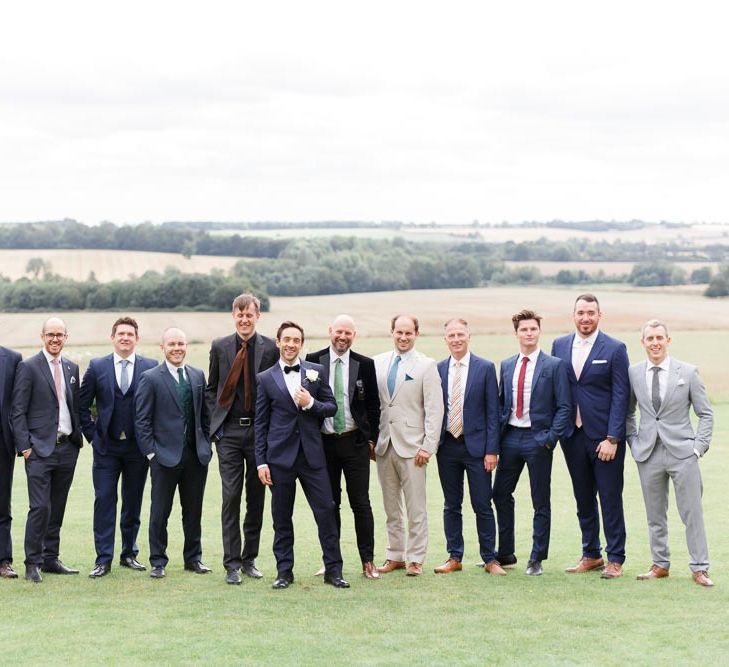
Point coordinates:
[[54, 336]]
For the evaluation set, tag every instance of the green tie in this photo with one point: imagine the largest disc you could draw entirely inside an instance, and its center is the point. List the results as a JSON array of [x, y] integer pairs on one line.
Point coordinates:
[[339, 422]]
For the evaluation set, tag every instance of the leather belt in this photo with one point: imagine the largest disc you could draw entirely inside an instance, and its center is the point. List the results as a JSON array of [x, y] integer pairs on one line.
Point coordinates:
[[338, 436], [61, 438], [461, 438], [240, 421]]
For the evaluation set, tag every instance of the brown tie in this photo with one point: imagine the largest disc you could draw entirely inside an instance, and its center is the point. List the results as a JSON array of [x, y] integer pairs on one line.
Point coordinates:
[[240, 363]]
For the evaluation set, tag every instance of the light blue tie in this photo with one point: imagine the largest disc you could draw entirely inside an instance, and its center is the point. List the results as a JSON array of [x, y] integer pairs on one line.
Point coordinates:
[[392, 375]]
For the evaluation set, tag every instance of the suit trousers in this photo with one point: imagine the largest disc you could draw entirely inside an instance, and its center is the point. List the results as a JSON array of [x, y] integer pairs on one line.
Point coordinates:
[[122, 459], [654, 474], [591, 478], [349, 454], [189, 475], [7, 464], [401, 480], [518, 447], [318, 492], [49, 481], [453, 461], [237, 465]]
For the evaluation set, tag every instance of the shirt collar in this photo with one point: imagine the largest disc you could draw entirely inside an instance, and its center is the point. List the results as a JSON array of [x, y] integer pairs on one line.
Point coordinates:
[[49, 357], [465, 361], [131, 358], [664, 365], [532, 357], [333, 356], [283, 364], [173, 369], [590, 340], [403, 355]]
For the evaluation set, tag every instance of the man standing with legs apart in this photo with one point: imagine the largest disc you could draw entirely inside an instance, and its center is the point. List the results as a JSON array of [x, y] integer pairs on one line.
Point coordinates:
[[536, 407], [665, 446], [469, 444], [352, 432], [111, 381], [594, 447], [293, 400], [231, 399], [172, 432], [47, 430], [411, 421]]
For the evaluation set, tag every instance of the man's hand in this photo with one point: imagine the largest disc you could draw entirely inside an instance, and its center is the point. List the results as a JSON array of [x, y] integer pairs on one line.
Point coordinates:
[[490, 461], [372, 450], [26, 452], [606, 450], [302, 397], [264, 474], [421, 458]]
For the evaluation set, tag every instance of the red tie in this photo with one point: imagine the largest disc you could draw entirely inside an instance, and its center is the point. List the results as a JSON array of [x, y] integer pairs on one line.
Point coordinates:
[[520, 388]]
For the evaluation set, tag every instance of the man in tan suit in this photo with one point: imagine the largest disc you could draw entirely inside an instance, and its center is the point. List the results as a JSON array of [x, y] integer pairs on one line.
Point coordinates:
[[411, 418]]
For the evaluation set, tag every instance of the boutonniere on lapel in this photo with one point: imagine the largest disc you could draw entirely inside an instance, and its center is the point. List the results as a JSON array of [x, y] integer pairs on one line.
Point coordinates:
[[72, 380], [408, 377], [360, 390], [312, 375]]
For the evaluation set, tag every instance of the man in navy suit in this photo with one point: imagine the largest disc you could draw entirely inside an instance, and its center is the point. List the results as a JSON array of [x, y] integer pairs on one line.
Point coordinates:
[[594, 445], [172, 432], [9, 360], [536, 405], [469, 444], [292, 401], [111, 382]]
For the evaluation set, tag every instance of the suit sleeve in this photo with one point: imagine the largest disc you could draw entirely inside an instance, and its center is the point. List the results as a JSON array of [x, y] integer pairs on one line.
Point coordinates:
[[211, 389], [631, 425], [562, 419], [620, 395], [205, 413], [372, 399], [491, 410], [702, 408], [144, 402], [434, 409], [261, 422], [22, 392], [325, 405], [87, 394]]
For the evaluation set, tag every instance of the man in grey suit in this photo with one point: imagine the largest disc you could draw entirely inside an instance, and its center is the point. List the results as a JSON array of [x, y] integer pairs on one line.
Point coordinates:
[[664, 445]]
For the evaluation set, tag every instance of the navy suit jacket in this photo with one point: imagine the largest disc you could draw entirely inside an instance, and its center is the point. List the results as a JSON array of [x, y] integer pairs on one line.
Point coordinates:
[[161, 421], [9, 360], [99, 384], [281, 426], [603, 390], [550, 405], [480, 406]]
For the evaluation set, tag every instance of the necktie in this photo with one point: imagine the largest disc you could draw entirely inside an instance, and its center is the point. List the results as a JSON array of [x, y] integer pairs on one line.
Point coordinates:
[[392, 375], [124, 378], [292, 369], [580, 358], [520, 388], [455, 407], [181, 376], [239, 367], [57, 381], [656, 389], [339, 421]]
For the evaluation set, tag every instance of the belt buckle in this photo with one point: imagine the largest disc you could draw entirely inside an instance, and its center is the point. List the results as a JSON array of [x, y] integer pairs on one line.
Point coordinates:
[[244, 421]]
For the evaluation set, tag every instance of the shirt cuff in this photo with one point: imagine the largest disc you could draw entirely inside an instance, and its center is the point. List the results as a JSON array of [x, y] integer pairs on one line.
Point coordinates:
[[263, 465], [150, 456], [309, 404], [698, 456]]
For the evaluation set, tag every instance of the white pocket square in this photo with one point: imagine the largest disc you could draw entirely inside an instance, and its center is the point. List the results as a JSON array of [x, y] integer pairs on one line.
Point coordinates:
[[599, 361], [680, 382]]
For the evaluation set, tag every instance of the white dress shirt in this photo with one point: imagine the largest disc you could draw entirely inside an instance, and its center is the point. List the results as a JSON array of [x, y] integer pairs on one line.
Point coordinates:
[[65, 424], [173, 371], [465, 363], [525, 421], [293, 381], [662, 377], [130, 367], [404, 356], [349, 423], [581, 348]]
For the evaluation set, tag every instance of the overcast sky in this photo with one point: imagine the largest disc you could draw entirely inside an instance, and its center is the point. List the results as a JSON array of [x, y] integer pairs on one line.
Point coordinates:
[[416, 111]]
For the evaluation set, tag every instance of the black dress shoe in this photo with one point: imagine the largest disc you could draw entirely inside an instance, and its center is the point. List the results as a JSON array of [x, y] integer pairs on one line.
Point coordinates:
[[157, 572], [198, 567], [336, 581], [251, 570], [100, 570], [506, 560], [132, 563], [57, 567], [283, 580], [32, 573], [534, 568], [232, 577]]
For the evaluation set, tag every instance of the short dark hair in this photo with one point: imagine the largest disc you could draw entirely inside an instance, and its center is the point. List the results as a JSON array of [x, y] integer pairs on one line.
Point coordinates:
[[242, 301], [526, 315], [590, 298], [410, 317], [125, 320], [289, 325]]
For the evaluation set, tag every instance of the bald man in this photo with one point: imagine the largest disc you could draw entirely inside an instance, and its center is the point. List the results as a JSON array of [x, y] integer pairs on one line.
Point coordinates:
[[47, 432], [172, 432]]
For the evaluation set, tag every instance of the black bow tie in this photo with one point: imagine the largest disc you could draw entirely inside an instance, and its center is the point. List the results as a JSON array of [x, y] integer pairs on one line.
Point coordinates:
[[289, 369]]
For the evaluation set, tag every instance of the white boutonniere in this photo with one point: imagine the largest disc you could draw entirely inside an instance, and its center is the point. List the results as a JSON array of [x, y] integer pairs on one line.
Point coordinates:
[[312, 375], [72, 380]]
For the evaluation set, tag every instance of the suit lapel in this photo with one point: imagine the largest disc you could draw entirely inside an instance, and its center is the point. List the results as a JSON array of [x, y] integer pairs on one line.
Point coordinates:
[[353, 373], [325, 360], [470, 373], [674, 373], [111, 379], [196, 391], [640, 388], [170, 383], [67, 377], [46, 372], [507, 375], [278, 378], [2, 377], [406, 366], [537, 371], [257, 353], [443, 372], [594, 352]]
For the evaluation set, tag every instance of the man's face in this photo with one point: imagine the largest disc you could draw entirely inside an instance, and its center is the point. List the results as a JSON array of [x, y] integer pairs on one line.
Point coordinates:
[[245, 321], [174, 347], [124, 340], [656, 344], [342, 336], [587, 317], [54, 337], [457, 339], [527, 333], [289, 344], [404, 334]]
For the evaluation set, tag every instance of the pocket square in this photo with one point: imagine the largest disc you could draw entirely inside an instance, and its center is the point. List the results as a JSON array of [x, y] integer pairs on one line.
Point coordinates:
[[599, 361], [407, 377], [680, 382]]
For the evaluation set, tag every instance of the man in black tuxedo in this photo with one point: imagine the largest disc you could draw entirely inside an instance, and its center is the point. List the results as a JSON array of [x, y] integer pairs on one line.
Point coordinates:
[[292, 402], [351, 434], [9, 360], [231, 400], [111, 381], [47, 430], [172, 432]]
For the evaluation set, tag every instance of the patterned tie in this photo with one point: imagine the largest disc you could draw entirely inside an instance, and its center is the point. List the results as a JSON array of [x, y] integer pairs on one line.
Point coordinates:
[[455, 403], [656, 389], [339, 421], [124, 378], [520, 388], [392, 375]]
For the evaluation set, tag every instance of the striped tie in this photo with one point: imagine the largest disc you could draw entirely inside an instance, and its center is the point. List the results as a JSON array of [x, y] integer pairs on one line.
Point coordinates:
[[455, 404]]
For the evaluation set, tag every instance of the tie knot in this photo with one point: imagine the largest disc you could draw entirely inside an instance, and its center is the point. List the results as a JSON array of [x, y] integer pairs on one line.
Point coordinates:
[[125, 363], [655, 369], [55, 361], [338, 360], [525, 360]]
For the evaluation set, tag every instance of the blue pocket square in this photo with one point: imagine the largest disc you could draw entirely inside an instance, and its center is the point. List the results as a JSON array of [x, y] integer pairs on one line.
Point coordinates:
[[407, 377]]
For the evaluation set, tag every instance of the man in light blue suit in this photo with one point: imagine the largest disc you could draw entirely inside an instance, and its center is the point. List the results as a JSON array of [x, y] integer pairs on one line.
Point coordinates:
[[536, 407], [469, 444]]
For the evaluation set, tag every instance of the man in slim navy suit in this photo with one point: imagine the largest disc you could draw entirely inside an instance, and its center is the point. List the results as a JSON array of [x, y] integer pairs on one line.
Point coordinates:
[[535, 411], [47, 431], [594, 445], [293, 399], [9, 360], [111, 381], [469, 444], [172, 432]]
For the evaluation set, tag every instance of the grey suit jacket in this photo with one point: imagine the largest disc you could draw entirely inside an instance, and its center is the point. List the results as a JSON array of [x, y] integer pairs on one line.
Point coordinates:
[[672, 423]]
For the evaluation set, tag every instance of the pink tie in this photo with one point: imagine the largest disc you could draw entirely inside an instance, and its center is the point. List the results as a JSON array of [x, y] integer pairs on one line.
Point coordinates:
[[57, 380]]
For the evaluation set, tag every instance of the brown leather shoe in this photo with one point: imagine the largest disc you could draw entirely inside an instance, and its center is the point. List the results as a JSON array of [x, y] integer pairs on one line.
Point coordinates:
[[586, 565], [612, 571], [369, 570], [493, 567], [391, 566], [7, 571], [656, 572], [414, 569], [702, 578], [451, 565]]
